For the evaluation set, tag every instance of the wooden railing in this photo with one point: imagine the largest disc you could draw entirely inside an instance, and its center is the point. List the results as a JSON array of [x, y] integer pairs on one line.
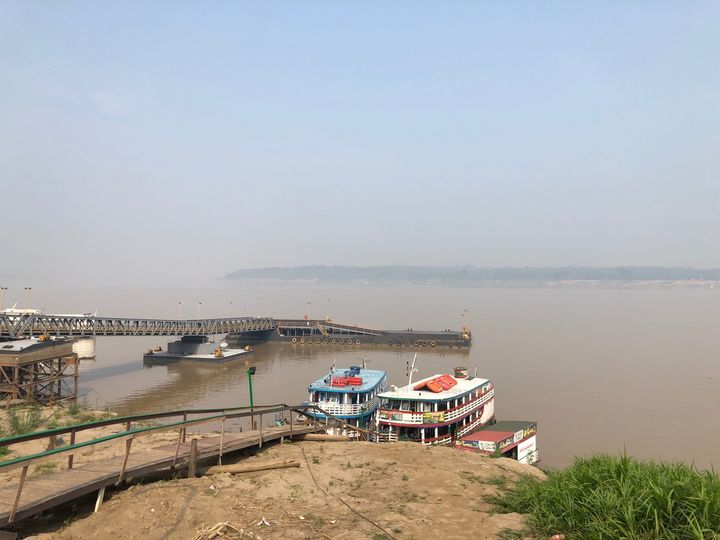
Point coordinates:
[[131, 433]]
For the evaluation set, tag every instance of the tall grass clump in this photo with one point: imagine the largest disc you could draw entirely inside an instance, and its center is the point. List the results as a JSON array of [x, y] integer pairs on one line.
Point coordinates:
[[619, 497], [23, 420]]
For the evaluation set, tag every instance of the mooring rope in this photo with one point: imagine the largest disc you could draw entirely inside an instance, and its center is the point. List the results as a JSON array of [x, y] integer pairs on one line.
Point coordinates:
[[386, 533]]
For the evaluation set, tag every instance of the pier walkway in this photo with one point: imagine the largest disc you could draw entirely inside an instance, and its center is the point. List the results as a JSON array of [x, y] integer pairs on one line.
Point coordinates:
[[27, 497], [17, 326]]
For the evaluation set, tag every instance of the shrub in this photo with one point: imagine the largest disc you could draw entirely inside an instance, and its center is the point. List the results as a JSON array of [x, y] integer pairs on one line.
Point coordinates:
[[23, 420], [75, 407], [619, 497]]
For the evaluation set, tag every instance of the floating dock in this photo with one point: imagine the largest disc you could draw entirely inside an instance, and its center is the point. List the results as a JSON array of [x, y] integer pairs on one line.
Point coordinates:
[[196, 349], [329, 332]]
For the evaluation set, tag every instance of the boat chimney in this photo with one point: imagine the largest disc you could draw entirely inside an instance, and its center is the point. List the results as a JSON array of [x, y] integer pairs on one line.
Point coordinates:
[[461, 372]]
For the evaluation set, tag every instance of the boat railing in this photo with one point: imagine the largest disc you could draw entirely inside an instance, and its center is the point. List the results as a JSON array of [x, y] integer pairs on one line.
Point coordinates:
[[362, 433], [386, 436], [345, 409], [439, 417], [469, 406]]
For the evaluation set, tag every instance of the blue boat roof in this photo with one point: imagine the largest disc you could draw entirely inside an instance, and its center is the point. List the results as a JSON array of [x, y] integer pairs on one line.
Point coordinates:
[[370, 377]]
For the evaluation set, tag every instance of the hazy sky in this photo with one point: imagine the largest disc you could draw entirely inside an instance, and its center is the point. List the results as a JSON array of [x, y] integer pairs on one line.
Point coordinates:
[[170, 141]]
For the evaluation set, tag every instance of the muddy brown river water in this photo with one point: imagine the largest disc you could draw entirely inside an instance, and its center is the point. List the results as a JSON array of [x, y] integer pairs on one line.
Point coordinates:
[[600, 369]]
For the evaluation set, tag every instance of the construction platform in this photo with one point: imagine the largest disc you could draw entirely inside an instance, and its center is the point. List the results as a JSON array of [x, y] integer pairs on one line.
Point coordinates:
[[38, 371]]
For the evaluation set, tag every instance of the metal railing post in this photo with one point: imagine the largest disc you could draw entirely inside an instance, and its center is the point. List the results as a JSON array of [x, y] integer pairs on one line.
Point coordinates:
[[261, 424], [71, 456]]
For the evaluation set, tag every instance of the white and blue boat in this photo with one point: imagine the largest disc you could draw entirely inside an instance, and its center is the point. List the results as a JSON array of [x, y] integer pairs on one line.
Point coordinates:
[[349, 394]]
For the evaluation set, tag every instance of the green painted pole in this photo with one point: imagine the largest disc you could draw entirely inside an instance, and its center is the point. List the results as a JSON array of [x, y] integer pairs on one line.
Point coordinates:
[[249, 373]]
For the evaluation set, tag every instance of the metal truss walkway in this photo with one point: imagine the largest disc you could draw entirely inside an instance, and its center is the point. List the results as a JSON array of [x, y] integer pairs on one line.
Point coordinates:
[[37, 324]]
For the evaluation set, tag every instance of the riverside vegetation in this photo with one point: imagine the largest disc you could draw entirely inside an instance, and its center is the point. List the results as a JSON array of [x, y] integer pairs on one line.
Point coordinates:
[[619, 497], [22, 419], [598, 497]]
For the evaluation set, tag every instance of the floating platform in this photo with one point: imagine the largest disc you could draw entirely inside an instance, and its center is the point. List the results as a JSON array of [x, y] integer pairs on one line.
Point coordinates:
[[195, 349], [331, 333]]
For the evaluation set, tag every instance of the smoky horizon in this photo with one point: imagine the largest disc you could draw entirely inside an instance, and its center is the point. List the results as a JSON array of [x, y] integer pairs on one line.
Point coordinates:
[[170, 145]]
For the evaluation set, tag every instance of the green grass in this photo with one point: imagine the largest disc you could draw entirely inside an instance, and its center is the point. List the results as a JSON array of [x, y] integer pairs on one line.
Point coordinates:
[[619, 497], [75, 407], [21, 420]]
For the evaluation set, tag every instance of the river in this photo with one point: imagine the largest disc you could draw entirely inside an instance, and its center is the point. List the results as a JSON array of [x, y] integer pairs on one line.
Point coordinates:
[[600, 369]]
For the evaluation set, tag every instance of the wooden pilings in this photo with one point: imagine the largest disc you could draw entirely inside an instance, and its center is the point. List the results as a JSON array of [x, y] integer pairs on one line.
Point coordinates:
[[192, 460]]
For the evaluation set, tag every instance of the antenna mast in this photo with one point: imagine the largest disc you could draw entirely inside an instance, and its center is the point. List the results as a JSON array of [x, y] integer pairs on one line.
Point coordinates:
[[411, 369]]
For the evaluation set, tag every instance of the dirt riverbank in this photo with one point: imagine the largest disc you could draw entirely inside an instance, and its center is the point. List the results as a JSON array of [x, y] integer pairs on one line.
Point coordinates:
[[340, 490]]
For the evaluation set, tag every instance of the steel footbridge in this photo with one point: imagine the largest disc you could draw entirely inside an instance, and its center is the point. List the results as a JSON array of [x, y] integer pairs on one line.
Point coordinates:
[[17, 326]]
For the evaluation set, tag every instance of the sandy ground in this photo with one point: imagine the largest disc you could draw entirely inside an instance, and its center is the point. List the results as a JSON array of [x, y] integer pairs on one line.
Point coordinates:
[[408, 490]]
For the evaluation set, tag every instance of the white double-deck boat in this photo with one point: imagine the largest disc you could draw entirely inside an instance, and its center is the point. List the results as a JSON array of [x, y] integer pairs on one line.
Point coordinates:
[[436, 410], [349, 394]]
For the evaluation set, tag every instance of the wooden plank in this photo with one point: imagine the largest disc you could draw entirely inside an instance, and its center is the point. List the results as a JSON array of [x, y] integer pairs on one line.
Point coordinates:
[[13, 511]]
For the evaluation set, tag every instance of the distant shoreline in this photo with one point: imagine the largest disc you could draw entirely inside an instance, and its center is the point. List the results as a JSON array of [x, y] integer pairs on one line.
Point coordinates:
[[497, 284], [468, 276]]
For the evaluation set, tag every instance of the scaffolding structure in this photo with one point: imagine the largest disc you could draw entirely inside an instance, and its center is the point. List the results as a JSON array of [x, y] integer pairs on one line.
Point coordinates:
[[37, 371]]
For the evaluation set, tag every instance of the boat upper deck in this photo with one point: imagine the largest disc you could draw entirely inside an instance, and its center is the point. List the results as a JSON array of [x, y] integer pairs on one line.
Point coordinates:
[[409, 392], [371, 378]]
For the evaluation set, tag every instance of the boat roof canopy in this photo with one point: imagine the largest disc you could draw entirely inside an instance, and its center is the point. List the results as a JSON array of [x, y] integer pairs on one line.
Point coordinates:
[[371, 378], [408, 392]]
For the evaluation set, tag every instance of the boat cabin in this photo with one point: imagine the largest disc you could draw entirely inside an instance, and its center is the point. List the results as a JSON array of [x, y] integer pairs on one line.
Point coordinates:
[[350, 394], [437, 409]]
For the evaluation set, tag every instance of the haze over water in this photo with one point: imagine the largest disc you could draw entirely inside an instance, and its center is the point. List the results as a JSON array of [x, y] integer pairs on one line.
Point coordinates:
[[147, 149], [600, 369]]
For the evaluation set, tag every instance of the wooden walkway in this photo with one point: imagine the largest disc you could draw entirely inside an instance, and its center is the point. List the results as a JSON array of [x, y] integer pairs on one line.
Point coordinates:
[[49, 490]]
